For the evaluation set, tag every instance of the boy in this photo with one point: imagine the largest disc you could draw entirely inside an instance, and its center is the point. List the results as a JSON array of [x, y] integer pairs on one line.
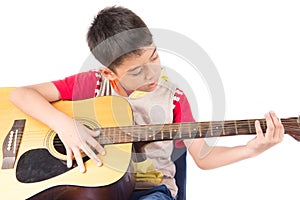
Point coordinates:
[[121, 41]]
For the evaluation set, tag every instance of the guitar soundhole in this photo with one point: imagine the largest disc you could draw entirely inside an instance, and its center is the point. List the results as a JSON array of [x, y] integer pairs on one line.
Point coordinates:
[[59, 147]]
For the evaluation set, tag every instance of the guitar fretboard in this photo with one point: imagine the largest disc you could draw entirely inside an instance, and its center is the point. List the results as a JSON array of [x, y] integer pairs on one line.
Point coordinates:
[[188, 130]]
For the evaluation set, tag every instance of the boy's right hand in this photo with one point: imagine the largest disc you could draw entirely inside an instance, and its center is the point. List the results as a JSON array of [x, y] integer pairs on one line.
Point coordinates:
[[77, 139], [35, 101]]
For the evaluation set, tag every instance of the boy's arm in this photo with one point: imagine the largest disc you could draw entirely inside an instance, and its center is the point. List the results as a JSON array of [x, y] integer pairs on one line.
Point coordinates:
[[35, 101], [209, 157]]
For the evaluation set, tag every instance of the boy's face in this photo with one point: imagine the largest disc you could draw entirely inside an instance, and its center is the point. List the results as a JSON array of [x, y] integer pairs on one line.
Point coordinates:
[[139, 72]]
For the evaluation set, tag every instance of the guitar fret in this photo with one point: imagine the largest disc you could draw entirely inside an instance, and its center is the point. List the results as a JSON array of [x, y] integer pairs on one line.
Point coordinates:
[[113, 136], [129, 133], [235, 125], [127, 136], [170, 132], [204, 129], [199, 128], [155, 134], [104, 136], [211, 129], [119, 135], [223, 129], [249, 125], [123, 135], [139, 137], [146, 135], [154, 138], [175, 132], [131, 137], [108, 139], [193, 131], [134, 137]]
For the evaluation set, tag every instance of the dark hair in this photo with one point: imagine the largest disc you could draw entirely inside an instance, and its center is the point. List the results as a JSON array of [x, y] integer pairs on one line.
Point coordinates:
[[115, 34]]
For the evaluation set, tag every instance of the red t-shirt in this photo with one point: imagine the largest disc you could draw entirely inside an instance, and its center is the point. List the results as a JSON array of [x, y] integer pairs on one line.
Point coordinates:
[[83, 85]]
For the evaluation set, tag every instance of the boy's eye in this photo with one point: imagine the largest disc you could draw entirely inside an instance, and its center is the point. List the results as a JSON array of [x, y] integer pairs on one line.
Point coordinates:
[[155, 58], [137, 72]]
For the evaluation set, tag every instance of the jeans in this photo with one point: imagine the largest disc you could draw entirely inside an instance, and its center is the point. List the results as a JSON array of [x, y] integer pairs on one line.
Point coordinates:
[[157, 193]]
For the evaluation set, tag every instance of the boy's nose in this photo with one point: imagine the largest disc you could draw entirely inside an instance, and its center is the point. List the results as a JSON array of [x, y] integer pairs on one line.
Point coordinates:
[[149, 75], [151, 71]]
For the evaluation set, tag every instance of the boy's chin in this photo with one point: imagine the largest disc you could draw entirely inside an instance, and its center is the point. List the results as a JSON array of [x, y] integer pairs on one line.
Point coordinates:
[[146, 89]]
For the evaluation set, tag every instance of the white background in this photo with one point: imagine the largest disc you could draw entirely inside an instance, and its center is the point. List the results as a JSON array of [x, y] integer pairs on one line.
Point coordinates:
[[255, 46]]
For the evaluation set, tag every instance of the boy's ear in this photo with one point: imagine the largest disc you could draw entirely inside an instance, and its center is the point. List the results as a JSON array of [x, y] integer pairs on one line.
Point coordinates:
[[108, 73]]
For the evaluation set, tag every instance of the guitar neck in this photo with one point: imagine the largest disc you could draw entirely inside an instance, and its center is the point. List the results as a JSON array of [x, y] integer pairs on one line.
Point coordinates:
[[188, 130]]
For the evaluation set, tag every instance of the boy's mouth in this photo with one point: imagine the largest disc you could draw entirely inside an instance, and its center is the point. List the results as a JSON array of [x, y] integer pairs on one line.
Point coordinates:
[[152, 85]]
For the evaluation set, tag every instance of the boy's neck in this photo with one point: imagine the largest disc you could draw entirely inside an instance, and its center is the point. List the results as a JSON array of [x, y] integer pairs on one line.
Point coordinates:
[[129, 92], [120, 89]]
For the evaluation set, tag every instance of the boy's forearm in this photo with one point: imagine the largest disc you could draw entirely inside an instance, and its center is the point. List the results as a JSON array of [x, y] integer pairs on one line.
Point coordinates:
[[221, 156], [35, 105], [210, 157]]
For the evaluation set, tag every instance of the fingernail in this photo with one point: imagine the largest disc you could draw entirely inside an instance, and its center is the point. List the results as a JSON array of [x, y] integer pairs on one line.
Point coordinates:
[[99, 164], [82, 170], [102, 153], [98, 132]]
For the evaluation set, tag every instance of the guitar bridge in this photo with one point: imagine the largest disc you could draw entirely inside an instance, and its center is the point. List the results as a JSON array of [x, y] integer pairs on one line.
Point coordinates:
[[11, 144]]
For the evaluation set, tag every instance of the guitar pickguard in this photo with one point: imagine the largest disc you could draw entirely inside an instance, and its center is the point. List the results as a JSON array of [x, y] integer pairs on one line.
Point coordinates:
[[38, 165]]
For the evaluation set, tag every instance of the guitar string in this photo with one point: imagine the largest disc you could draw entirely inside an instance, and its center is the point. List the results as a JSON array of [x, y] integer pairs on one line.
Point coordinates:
[[181, 126], [143, 128], [121, 137]]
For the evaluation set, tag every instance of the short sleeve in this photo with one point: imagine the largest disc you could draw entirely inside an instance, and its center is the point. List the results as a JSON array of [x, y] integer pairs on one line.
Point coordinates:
[[77, 87], [181, 112]]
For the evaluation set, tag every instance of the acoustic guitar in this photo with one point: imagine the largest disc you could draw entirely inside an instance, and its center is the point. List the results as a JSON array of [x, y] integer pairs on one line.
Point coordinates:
[[33, 159]]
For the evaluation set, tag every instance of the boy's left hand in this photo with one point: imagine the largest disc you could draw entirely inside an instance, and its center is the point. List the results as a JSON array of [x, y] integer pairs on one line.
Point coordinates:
[[263, 141]]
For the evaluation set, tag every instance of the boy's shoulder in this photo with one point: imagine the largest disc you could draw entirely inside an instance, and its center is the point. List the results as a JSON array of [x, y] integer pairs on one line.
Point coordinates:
[[78, 86]]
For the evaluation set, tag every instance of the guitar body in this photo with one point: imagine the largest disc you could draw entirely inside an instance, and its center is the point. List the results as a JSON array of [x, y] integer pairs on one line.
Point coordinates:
[[38, 169]]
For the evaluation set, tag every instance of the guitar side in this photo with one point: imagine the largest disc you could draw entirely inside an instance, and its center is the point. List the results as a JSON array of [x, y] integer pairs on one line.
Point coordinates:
[[103, 111]]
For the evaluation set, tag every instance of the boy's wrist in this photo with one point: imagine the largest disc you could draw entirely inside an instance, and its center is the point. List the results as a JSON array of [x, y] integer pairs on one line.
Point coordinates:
[[59, 120], [249, 152]]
